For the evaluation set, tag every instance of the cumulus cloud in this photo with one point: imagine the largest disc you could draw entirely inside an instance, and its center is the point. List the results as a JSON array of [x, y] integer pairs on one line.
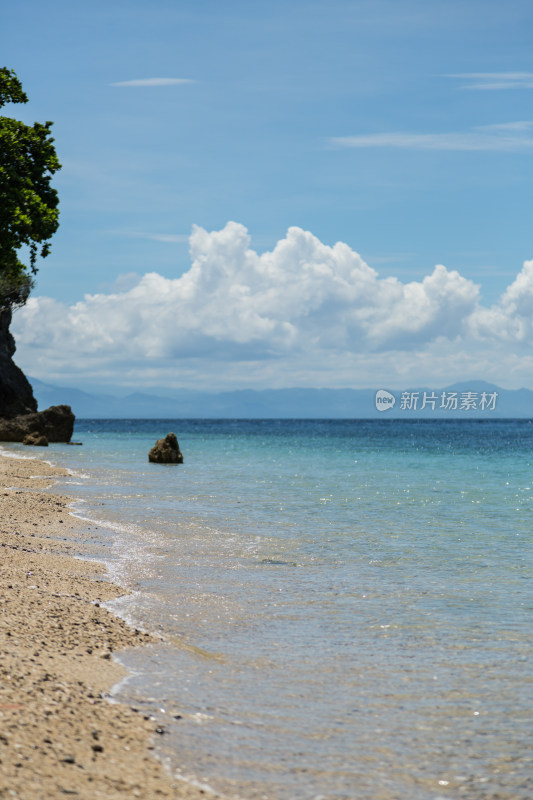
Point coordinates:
[[511, 320], [304, 312]]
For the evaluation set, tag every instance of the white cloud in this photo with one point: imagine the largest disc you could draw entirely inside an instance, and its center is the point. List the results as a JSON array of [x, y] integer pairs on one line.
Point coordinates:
[[169, 238], [304, 313], [511, 320], [154, 82], [495, 81], [510, 137]]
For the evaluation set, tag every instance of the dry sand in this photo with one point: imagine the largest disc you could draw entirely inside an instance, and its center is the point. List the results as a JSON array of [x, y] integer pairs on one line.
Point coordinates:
[[59, 735]]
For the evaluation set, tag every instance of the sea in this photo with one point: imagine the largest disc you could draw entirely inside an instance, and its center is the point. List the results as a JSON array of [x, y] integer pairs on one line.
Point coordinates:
[[344, 607]]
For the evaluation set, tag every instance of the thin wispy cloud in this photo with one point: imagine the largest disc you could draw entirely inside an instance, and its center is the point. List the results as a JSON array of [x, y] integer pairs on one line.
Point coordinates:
[[495, 81], [170, 238], [155, 237], [507, 137], [154, 82]]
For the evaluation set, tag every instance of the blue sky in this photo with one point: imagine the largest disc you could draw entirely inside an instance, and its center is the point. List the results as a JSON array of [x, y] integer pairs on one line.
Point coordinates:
[[403, 130]]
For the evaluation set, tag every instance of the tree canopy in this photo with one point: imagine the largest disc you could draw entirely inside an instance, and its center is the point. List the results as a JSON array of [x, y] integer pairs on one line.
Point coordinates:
[[29, 213]]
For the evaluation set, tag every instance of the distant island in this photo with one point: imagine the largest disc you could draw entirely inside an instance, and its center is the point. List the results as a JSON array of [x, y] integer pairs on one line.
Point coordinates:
[[466, 400]]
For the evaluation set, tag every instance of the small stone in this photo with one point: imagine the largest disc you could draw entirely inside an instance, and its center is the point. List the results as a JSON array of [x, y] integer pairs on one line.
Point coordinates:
[[35, 439]]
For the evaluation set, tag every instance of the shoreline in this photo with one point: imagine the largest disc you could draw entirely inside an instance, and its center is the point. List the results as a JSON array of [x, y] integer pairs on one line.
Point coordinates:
[[59, 733]]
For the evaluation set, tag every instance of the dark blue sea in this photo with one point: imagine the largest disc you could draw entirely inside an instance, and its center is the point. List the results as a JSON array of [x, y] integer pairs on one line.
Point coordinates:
[[345, 606]]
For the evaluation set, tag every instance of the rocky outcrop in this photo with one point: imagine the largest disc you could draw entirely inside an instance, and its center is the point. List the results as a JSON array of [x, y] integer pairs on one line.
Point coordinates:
[[166, 451], [19, 419], [36, 439], [16, 394], [56, 423]]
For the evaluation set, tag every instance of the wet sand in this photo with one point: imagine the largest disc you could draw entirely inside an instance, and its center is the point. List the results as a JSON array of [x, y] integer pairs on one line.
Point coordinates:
[[59, 735]]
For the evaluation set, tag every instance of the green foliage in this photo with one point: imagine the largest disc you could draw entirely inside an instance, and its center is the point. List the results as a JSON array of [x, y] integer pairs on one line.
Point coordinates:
[[28, 204]]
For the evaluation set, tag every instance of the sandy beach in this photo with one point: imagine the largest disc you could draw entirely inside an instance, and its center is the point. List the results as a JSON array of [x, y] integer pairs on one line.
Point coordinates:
[[59, 734]]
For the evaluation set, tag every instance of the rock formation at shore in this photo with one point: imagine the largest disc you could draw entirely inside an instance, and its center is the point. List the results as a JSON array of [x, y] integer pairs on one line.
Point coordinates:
[[16, 394], [166, 451], [56, 423]]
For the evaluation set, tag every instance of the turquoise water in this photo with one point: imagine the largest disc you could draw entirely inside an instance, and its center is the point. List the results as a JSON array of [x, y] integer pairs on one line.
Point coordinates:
[[346, 605]]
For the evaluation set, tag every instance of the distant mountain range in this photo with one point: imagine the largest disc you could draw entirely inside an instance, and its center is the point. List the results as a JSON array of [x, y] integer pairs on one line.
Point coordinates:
[[476, 399]]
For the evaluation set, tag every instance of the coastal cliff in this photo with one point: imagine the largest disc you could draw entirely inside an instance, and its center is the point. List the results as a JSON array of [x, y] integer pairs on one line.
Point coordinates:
[[16, 394], [18, 407]]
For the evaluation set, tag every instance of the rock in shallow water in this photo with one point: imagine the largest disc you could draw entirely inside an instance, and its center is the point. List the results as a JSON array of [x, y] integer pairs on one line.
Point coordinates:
[[166, 451], [36, 439]]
